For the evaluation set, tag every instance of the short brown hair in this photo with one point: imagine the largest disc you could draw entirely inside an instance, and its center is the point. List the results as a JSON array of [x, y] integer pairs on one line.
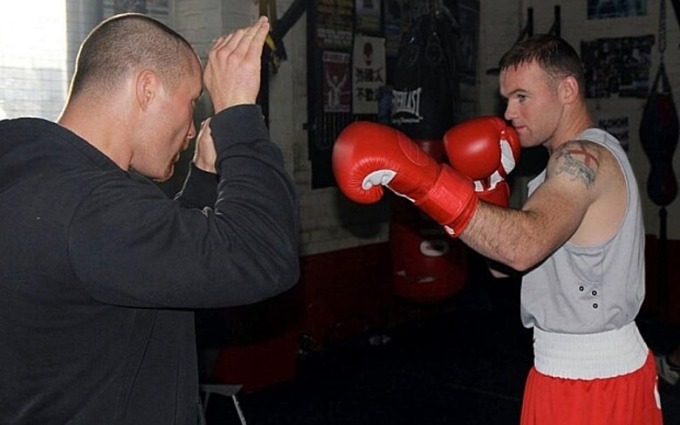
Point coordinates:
[[553, 54]]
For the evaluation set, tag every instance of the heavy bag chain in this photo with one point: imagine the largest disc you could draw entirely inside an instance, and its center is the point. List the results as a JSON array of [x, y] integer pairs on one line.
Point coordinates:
[[662, 30]]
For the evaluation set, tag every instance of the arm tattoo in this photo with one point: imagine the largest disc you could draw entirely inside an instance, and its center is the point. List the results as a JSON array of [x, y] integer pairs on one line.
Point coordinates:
[[579, 161]]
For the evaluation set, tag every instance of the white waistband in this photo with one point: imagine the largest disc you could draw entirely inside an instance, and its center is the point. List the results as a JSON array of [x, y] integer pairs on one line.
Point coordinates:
[[589, 356]]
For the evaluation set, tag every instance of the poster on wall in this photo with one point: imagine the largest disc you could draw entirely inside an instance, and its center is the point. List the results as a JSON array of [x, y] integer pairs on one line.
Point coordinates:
[[604, 9], [617, 67], [334, 23], [368, 16], [368, 73], [336, 82]]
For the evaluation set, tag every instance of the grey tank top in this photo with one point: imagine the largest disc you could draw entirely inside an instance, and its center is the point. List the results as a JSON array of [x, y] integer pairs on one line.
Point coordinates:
[[591, 289]]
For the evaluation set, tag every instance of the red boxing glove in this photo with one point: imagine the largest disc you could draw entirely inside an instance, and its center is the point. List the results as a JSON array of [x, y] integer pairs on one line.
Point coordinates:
[[485, 149], [368, 156]]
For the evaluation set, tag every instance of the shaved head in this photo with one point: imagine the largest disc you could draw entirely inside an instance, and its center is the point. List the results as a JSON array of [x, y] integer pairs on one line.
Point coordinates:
[[125, 43]]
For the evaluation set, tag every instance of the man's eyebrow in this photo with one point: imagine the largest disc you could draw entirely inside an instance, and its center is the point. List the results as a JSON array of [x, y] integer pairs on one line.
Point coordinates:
[[514, 92]]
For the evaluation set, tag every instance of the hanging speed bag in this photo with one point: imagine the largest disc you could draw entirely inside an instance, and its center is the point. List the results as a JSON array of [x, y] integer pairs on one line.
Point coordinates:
[[659, 132]]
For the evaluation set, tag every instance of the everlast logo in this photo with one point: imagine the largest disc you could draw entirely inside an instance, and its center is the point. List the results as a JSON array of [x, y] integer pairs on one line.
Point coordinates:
[[407, 103]]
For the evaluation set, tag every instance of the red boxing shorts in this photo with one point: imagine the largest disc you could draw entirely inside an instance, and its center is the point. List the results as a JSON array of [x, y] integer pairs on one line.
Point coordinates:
[[630, 399]]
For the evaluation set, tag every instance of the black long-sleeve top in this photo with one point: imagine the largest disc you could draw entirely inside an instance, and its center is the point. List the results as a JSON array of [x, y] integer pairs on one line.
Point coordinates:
[[99, 270]]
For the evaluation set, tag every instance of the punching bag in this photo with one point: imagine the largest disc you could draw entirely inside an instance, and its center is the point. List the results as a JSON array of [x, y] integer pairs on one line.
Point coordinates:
[[659, 133], [426, 92], [659, 138], [428, 266]]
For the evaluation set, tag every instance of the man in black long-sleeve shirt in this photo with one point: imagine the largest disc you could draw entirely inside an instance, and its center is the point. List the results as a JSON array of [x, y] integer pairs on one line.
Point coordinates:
[[98, 268]]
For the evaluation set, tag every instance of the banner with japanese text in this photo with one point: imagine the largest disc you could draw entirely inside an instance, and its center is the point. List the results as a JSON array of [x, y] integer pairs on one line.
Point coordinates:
[[368, 73]]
